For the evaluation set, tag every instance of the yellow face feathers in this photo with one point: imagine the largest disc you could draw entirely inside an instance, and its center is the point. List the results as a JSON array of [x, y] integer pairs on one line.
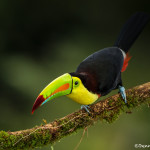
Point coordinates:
[[80, 94]]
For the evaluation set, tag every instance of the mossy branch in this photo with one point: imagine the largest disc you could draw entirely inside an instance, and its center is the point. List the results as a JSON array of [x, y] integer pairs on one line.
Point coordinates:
[[108, 110]]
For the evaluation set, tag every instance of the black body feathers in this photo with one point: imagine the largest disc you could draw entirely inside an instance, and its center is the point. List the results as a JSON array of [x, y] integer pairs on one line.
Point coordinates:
[[101, 71]]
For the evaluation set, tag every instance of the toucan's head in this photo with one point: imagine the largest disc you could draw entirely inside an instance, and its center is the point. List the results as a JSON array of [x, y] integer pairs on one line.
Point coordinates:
[[69, 84]]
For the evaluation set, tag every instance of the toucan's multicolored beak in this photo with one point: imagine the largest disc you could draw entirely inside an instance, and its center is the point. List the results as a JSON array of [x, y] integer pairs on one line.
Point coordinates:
[[59, 87]]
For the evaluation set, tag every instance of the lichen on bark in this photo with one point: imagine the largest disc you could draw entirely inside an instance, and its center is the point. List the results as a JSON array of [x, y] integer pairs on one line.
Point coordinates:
[[107, 110]]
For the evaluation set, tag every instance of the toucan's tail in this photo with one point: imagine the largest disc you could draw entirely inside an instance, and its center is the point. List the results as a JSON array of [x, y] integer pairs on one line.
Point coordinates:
[[131, 30]]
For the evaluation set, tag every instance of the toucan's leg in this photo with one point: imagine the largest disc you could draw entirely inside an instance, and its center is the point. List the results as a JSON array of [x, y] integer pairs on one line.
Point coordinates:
[[85, 107], [122, 92]]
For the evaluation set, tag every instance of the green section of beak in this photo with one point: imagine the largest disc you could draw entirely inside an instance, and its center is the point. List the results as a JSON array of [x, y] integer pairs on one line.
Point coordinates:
[[59, 87]]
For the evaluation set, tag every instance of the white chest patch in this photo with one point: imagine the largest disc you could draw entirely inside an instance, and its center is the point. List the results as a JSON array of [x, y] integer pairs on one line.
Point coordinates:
[[123, 53]]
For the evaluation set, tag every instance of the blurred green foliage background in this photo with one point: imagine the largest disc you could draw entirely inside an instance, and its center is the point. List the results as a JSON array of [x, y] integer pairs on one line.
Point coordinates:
[[41, 40]]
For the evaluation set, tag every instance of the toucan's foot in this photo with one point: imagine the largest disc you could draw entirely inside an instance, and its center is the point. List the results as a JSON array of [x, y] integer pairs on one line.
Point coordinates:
[[85, 107], [122, 92]]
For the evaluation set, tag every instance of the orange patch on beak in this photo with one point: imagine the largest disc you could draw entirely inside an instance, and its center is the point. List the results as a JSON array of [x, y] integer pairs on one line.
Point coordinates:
[[61, 88]]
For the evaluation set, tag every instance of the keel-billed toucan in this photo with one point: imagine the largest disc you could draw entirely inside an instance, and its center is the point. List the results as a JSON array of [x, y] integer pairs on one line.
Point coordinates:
[[99, 73]]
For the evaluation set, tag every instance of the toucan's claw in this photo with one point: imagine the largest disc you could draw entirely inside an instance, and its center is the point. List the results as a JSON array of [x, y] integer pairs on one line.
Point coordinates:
[[123, 94], [86, 107]]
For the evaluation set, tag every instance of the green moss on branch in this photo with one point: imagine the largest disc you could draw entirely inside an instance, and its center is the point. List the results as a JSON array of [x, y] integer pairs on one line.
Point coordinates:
[[107, 110]]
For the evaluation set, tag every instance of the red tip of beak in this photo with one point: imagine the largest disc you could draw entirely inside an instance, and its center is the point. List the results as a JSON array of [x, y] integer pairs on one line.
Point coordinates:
[[40, 99]]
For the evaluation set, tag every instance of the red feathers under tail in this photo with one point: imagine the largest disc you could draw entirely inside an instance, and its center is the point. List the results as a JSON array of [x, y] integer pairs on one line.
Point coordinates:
[[125, 63]]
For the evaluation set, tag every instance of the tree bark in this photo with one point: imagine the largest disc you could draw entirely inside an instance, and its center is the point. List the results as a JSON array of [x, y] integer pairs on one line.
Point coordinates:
[[108, 110]]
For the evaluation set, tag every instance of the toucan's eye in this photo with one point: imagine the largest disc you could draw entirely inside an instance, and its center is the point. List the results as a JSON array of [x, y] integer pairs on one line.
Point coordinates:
[[76, 83]]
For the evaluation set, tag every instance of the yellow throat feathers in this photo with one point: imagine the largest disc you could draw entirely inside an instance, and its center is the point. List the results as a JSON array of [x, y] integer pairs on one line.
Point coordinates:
[[80, 94]]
